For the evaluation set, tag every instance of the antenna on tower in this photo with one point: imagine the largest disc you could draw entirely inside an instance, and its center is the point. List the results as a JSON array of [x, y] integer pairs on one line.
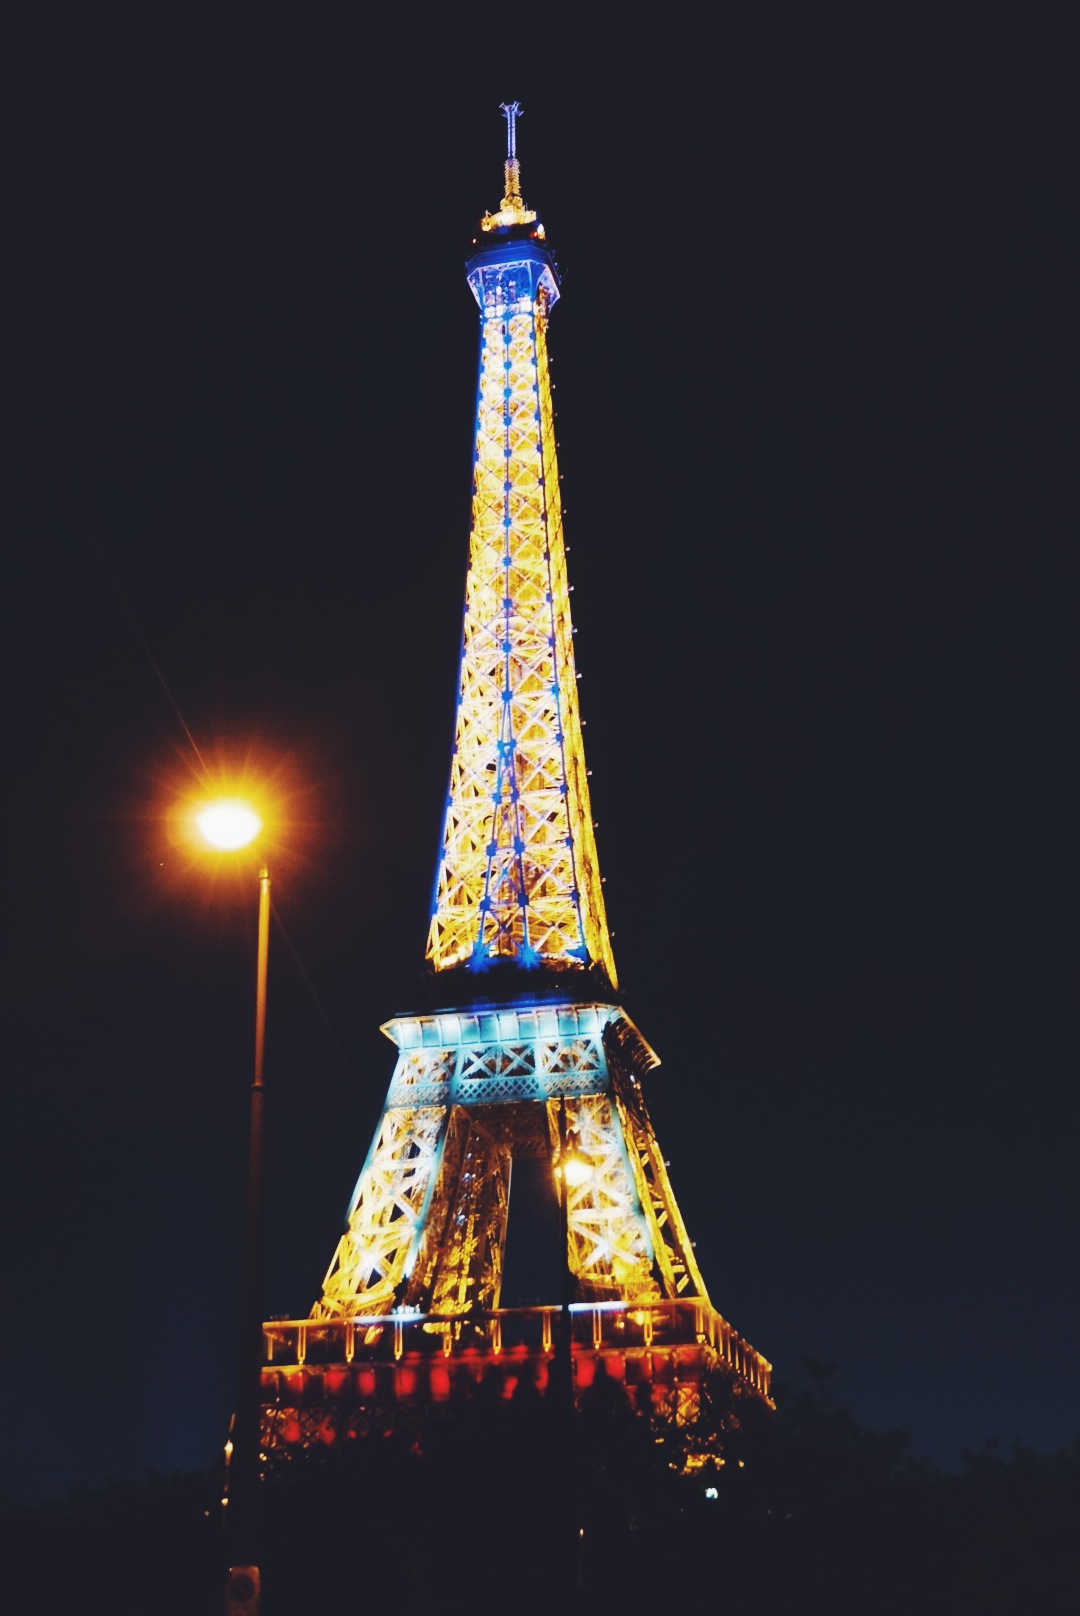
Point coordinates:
[[512, 111], [512, 210]]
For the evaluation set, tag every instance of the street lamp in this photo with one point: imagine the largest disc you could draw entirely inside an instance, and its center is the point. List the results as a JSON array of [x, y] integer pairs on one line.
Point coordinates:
[[229, 824]]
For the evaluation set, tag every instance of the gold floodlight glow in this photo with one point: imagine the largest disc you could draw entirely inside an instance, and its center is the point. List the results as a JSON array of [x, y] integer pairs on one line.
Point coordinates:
[[576, 1170], [228, 824]]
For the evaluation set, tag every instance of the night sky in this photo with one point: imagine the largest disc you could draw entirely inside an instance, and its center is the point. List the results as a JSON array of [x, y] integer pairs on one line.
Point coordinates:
[[813, 421]]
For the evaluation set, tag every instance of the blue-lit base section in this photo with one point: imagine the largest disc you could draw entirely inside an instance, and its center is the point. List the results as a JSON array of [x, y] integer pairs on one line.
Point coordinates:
[[472, 1089], [524, 1051]]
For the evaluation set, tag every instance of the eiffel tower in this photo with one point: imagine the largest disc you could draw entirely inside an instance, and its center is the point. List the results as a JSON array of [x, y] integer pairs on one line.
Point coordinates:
[[524, 1053]]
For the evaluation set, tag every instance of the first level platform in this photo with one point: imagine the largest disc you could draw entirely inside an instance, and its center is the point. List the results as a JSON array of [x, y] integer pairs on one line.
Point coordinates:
[[327, 1382]]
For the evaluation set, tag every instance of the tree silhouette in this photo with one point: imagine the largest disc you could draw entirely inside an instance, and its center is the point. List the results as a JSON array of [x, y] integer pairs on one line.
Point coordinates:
[[518, 1500]]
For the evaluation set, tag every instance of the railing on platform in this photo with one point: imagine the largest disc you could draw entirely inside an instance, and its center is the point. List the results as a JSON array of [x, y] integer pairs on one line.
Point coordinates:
[[595, 1326]]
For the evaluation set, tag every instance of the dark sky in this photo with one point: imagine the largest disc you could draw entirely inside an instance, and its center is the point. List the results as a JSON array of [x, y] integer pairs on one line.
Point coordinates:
[[813, 416]]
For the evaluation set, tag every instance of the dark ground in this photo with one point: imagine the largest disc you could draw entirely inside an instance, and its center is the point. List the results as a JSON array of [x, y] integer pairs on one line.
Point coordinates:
[[502, 1504]]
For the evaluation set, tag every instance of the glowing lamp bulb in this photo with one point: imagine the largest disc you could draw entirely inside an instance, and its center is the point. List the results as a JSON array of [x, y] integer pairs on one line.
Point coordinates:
[[577, 1170], [228, 824]]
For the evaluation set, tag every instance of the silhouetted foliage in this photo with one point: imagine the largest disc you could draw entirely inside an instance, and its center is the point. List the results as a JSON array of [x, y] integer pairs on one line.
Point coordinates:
[[119, 1548], [515, 1502]]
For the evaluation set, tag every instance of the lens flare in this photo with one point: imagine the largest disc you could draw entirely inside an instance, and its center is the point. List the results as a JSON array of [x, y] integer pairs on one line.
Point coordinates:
[[228, 824]]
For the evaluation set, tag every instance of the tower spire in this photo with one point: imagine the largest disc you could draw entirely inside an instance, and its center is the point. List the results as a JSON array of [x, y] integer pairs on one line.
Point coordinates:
[[512, 209], [511, 111]]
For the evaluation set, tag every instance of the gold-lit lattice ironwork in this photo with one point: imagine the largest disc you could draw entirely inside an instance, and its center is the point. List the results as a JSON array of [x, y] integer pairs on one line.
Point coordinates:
[[387, 1211], [518, 877]]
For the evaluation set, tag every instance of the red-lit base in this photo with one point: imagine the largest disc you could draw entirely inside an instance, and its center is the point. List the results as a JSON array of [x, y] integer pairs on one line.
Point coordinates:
[[329, 1382]]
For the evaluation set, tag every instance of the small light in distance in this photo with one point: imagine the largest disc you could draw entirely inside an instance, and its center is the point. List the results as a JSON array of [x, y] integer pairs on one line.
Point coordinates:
[[711, 1492]]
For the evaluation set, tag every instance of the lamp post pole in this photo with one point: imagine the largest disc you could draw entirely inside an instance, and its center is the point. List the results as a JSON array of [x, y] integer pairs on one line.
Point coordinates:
[[565, 1359], [564, 1365], [243, 1586]]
